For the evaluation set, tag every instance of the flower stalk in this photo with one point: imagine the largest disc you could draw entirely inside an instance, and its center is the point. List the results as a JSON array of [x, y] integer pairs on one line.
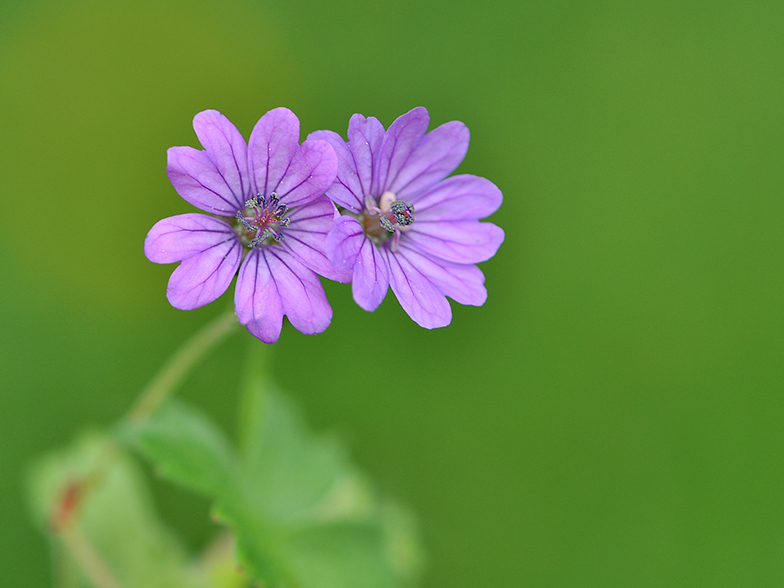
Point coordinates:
[[174, 371]]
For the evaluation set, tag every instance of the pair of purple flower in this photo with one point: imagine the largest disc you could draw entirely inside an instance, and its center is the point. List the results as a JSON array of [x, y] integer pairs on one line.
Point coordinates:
[[398, 221]]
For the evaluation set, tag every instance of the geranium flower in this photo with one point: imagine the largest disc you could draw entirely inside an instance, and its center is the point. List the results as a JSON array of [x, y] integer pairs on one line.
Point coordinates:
[[403, 224], [270, 221]]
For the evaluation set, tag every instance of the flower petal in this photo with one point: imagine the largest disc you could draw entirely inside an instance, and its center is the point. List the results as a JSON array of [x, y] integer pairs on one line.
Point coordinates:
[[256, 299], [370, 281], [463, 283], [272, 283], [423, 302], [400, 141], [179, 237], [457, 241], [227, 149], [436, 156], [346, 190], [307, 234], [463, 197], [202, 278], [344, 242], [272, 145], [196, 179], [365, 136], [304, 300], [310, 173]]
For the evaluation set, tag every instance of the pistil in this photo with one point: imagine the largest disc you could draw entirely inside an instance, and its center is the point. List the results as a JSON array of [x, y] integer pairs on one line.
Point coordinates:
[[261, 221], [387, 219]]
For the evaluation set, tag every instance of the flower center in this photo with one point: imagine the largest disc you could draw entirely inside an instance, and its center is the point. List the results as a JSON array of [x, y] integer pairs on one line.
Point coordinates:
[[386, 219], [260, 221]]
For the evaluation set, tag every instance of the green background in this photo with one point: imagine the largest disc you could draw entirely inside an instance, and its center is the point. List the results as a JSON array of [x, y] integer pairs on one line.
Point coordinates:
[[611, 417]]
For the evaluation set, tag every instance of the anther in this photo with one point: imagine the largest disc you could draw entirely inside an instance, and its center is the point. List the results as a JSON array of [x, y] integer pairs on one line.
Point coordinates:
[[244, 222], [404, 213], [387, 224]]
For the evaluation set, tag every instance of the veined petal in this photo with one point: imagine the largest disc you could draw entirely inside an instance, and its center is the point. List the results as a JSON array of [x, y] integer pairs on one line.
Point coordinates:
[[272, 145], [310, 173], [437, 155], [179, 237], [196, 179], [344, 242], [365, 136], [307, 234], [423, 302], [457, 241], [370, 281], [399, 143], [463, 197], [346, 190], [304, 300], [256, 299], [272, 283], [202, 278], [463, 283], [227, 149]]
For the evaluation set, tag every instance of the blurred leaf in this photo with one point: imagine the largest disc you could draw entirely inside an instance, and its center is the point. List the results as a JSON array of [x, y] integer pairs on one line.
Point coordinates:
[[291, 470], [116, 516], [339, 554], [186, 448], [302, 514]]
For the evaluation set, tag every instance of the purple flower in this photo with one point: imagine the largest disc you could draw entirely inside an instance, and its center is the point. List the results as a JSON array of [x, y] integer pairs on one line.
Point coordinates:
[[270, 222], [403, 223]]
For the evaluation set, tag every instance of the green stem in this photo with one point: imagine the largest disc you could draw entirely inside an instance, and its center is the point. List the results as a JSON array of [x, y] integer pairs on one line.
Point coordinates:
[[89, 559], [174, 371]]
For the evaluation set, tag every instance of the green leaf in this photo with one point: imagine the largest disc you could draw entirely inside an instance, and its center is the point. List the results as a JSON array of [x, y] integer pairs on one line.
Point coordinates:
[[186, 448], [115, 515], [302, 514], [339, 555], [290, 469]]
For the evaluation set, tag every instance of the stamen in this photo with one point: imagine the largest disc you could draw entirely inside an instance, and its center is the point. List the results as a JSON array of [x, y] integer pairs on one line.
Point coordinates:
[[404, 213], [387, 224], [387, 198], [244, 222], [264, 217], [370, 204], [394, 241]]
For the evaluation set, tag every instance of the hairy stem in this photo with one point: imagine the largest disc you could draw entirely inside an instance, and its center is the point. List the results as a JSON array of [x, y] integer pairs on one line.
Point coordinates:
[[89, 559], [180, 364]]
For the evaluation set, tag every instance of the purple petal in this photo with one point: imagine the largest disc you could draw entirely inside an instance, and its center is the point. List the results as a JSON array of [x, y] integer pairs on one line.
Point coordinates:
[[400, 141], [463, 283], [227, 149], [272, 145], [346, 189], [436, 156], [463, 197], [423, 302], [344, 242], [307, 234], [304, 300], [272, 283], [365, 136], [256, 299], [311, 172], [202, 278], [370, 281], [457, 241], [179, 237], [196, 179]]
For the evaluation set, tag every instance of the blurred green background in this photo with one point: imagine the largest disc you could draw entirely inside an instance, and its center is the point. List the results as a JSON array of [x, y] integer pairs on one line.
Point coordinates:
[[611, 417]]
